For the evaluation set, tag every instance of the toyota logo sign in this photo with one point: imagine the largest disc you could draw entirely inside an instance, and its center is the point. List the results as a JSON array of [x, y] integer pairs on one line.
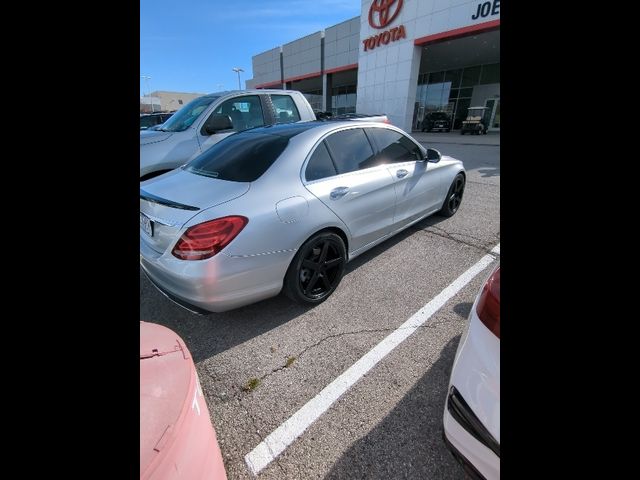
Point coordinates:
[[380, 12]]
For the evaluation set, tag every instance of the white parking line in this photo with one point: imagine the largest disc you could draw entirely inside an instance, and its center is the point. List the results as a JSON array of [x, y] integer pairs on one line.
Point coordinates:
[[278, 440]]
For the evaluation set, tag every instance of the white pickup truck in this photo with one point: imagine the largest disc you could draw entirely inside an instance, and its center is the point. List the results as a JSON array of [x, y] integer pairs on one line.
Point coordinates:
[[205, 121]]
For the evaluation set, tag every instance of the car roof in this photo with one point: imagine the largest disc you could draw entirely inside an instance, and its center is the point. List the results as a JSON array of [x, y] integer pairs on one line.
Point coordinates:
[[290, 130], [250, 90]]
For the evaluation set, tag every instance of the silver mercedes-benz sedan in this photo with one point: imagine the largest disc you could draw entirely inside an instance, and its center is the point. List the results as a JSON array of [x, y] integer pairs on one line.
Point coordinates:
[[285, 207]]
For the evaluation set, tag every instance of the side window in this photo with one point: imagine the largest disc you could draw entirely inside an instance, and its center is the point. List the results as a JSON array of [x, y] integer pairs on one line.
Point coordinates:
[[285, 109], [320, 164], [245, 112], [351, 150], [146, 122], [393, 146]]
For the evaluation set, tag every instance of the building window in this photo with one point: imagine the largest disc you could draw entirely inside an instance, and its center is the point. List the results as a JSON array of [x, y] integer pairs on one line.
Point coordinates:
[[490, 74], [343, 99], [180, 101], [451, 91], [314, 97]]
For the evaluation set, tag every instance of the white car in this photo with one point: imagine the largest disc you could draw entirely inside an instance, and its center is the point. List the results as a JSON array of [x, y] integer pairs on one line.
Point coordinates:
[[472, 411]]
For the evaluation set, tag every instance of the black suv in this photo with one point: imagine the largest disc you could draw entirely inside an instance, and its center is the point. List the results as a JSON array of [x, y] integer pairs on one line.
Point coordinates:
[[149, 120], [436, 121]]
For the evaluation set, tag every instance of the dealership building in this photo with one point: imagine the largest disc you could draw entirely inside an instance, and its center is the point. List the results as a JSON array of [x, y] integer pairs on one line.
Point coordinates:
[[404, 58]]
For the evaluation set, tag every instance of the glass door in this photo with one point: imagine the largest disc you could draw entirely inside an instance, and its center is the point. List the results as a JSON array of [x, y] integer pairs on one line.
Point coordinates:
[[492, 114]]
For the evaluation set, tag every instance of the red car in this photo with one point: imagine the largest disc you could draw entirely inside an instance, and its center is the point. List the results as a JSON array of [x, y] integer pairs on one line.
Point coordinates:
[[177, 440]]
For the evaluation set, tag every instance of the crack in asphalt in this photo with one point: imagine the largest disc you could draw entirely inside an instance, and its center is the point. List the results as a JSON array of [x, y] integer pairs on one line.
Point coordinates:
[[342, 334], [239, 397], [484, 246]]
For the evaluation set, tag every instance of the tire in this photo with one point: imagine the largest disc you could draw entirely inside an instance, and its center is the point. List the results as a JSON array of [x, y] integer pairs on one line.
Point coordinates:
[[309, 264], [448, 130], [454, 197], [461, 132]]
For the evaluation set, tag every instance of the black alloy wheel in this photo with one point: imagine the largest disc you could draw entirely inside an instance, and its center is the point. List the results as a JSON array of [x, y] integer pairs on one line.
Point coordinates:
[[316, 269], [454, 197]]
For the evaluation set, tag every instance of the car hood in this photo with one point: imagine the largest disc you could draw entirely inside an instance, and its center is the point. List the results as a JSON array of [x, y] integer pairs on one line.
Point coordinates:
[[153, 136]]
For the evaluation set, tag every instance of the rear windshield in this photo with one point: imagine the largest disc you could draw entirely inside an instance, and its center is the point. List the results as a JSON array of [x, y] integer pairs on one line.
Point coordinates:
[[242, 157]]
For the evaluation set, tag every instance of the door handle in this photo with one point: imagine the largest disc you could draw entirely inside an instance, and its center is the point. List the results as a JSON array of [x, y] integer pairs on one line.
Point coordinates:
[[339, 192], [402, 173]]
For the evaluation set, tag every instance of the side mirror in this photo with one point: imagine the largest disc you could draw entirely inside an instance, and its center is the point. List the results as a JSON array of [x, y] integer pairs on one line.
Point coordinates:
[[216, 123], [433, 155]]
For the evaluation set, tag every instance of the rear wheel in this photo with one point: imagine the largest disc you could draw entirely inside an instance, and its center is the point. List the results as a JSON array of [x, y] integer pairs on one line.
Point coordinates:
[[316, 270], [454, 197]]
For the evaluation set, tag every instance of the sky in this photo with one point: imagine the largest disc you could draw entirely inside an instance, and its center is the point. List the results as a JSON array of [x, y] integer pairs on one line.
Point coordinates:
[[192, 45]]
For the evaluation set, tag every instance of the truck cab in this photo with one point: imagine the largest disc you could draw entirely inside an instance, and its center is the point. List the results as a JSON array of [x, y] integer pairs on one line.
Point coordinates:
[[205, 121]]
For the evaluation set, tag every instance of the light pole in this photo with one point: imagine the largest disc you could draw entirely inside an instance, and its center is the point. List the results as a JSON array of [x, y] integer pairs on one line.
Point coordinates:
[[146, 81], [238, 70]]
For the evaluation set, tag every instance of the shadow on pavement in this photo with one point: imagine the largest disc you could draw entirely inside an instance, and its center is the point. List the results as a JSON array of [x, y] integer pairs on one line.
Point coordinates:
[[408, 442], [387, 244], [209, 335], [463, 309], [490, 172]]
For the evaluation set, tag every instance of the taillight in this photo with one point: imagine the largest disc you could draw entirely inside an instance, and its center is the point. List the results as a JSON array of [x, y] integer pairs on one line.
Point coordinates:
[[386, 120], [488, 308], [206, 239]]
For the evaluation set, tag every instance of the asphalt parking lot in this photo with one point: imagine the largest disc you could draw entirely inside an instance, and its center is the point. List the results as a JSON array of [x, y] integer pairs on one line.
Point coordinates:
[[389, 423]]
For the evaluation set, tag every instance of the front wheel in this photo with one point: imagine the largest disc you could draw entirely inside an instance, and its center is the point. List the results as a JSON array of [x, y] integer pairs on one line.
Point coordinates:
[[454, 197], [316, 270]]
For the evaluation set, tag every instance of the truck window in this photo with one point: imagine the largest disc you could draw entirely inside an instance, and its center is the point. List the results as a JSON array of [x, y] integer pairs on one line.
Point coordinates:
[[285, 109], [245, 112]]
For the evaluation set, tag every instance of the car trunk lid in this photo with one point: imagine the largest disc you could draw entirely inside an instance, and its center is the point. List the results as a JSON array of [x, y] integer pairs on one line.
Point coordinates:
[[169, 201], [165, 380]]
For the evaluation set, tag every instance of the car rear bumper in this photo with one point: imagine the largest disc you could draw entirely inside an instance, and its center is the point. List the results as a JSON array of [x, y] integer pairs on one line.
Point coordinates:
[[472, 414], [477, 459], [216, 284], [466, 464]]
